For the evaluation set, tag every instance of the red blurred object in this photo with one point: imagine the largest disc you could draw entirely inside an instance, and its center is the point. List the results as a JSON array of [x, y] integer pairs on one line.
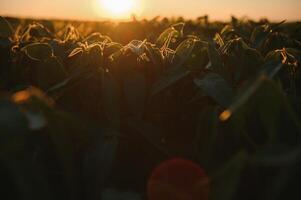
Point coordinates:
[[178, 179]]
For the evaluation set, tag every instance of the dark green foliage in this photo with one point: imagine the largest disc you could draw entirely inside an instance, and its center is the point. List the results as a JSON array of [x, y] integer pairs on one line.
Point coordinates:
[[85, 117]]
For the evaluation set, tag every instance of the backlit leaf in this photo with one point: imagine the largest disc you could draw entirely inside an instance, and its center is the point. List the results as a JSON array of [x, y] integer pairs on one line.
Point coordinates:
[[38, 51]]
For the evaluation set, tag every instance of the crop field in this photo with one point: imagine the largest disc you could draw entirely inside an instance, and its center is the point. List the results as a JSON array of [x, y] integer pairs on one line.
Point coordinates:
[[161, 109]]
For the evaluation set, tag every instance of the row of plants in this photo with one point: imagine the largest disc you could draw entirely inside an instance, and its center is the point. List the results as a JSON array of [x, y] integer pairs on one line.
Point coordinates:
[[84, 117]]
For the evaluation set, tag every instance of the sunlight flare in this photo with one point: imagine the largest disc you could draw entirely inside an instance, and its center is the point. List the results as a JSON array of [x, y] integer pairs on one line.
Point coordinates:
[[118, 6], [119, 9]]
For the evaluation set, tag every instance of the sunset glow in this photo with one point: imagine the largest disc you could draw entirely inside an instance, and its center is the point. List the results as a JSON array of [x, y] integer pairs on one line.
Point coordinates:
[[123, 9], [118, 9], [118, 6]]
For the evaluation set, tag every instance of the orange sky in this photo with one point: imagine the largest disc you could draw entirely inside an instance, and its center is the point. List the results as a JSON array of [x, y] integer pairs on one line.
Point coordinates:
[[217, 9]]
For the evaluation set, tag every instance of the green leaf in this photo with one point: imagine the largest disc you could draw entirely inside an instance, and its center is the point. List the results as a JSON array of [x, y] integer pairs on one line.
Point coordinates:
[[14, 128], [12, 120], [217, 88], [27, 176], [174, 32], [80, 61], [96, 57], [71, 34], [216, 63], [179, 27], [269, 107], [241, 61], [38, 51], [63, 130], [136, 46], [225, 181], [134, 88], [227, 31], [259, 35], [152, 134], [49, 73], [97, 37], [111, 100], [172, 76], [97, 165], [219, 40], [192, 53], [207, 134], [67, 82], [264, 100], [111, 48], [18, 153], [5, 43], [247, 93], [184, 51], [277, 155], [35, 32], [155, 55], [242, 98], [75, 52], [6, 29]]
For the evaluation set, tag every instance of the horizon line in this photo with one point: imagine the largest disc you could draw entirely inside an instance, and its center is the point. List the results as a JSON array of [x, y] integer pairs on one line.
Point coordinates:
[[140, 18]]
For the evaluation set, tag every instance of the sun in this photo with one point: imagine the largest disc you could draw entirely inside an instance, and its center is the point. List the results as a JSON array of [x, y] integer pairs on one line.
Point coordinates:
[[118, 8]]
